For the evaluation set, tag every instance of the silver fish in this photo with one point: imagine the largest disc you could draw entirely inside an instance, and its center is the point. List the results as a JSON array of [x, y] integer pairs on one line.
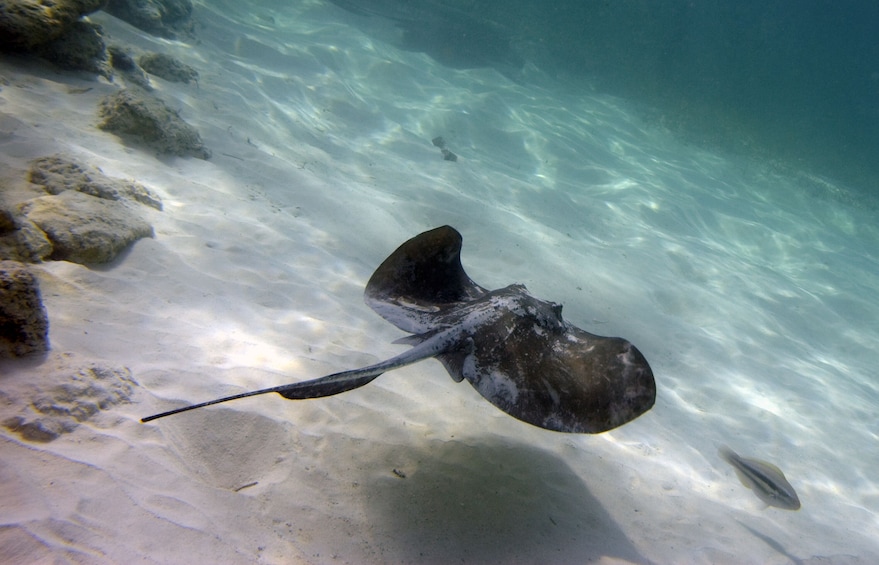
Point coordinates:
[[765, 479]]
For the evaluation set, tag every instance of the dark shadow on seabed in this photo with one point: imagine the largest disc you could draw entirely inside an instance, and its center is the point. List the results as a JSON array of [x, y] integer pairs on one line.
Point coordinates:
[[480, 502]]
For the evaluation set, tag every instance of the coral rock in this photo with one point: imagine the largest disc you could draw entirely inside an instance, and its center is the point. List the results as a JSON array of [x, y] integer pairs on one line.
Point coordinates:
[[56, 173], [21, 240], [62, 400], [25, 24], [24, 326], [168, 68], [166, 18], [85, 229], [144, 117]]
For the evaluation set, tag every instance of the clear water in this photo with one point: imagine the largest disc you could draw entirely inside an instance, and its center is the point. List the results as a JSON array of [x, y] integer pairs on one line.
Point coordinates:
[[752, 289]]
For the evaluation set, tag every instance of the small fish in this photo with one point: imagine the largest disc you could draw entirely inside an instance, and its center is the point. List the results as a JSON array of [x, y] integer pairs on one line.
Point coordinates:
[[765, 479]]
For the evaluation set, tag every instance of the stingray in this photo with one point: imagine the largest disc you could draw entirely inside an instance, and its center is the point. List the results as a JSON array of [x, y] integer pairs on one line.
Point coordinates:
[[516, 350]]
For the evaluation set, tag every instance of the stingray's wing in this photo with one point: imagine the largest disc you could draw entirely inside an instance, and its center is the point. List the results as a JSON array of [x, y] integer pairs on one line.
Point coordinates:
[[421, 279]]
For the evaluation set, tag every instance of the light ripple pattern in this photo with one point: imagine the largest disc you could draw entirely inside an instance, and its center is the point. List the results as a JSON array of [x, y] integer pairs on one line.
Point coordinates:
[[753, 296]]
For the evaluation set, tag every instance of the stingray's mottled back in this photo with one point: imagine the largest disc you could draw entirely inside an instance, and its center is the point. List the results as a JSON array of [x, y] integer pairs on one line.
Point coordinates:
[[419, 279]]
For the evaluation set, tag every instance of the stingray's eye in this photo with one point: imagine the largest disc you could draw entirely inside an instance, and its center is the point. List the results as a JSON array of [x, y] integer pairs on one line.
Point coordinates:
[[557, 310]]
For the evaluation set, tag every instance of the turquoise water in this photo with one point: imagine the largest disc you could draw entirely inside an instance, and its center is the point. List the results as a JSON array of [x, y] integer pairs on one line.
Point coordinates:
[[751, 292], [750, 285]]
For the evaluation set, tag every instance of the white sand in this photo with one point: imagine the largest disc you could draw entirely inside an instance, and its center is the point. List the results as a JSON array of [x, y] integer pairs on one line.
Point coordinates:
[[754, 300]]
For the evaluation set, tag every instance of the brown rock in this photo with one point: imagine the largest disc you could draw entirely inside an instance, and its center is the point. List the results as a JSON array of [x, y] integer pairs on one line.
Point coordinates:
[[25, 24], [21, 240], [79, 48], [57, 173], [166, 18], [123, 61], [85, 229], [24, 326], [168, 68], [68, 396], [136, 114]]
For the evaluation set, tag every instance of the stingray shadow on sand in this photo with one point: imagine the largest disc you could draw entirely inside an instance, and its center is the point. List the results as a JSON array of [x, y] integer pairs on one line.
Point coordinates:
[[487, 501]]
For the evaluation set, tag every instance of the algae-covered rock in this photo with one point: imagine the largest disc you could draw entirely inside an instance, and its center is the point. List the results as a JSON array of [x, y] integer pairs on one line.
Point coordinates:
[[7, 222], [80, 48], [123, 61], [21, 240], [167, 67], [165, 18], [57, 173], [141, 116], [68, 396], [86, 217], [85, 229], [24, 326], [25, 24], [54, 30]]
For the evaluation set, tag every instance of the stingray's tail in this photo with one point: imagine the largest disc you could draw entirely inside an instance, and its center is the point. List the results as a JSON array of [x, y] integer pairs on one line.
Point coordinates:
[[315, 388]]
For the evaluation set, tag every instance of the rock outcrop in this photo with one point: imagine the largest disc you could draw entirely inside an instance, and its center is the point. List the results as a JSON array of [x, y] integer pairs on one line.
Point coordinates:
[[85, 229], [54, 30], [85, 217], [56, 174], [135, 114], [81, 48], [24, 326], [123, 61], [21, 240], [58, 401], [167, 67], [165, 18], [27, 24]]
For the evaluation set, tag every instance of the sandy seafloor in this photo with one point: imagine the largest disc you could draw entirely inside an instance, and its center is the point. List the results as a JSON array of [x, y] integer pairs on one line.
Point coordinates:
[[754, 298]]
